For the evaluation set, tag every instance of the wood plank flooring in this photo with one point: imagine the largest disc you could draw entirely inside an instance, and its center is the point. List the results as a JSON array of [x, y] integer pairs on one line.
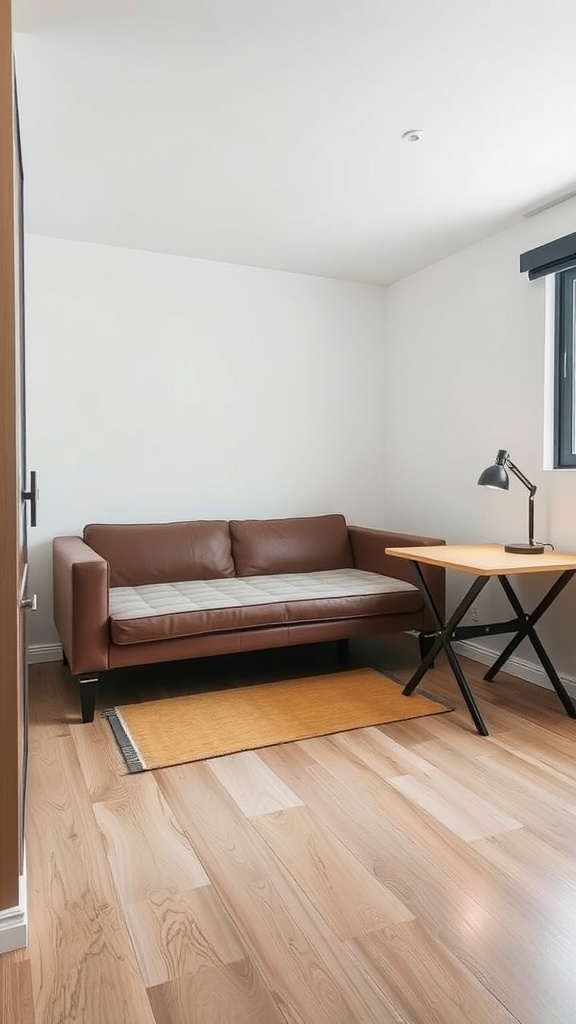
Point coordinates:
[[414, 873]]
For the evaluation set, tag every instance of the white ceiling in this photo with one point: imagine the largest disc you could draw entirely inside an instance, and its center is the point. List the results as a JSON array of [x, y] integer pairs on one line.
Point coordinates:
[[268, 132]]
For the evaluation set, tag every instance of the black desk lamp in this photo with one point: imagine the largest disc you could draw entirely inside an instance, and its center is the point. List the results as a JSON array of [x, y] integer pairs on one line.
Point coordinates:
[[496, 476]]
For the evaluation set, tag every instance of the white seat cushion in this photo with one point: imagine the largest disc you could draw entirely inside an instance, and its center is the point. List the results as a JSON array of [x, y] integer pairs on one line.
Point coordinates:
[[163, 610]]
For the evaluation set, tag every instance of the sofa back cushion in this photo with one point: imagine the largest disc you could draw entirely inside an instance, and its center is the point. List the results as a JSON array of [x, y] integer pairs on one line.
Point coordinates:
[[163, 552], [308, 544]]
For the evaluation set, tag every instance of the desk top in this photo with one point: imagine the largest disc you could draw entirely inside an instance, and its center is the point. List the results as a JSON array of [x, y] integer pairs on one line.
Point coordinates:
[[486, 559]]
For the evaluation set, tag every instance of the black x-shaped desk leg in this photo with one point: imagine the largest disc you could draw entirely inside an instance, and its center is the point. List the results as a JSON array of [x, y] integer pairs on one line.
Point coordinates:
[[526, 629], [522, 626]]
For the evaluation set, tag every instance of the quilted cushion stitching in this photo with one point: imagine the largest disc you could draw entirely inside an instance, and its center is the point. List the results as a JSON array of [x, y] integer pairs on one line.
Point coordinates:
[[203, 595]]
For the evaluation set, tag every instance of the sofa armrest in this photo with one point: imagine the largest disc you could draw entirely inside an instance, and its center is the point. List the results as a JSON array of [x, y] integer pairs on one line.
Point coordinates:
[[81, 610], [368, 550]]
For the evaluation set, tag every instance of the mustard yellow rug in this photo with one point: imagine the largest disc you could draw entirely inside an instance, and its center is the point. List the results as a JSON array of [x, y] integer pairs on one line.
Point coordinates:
[[159, 733]]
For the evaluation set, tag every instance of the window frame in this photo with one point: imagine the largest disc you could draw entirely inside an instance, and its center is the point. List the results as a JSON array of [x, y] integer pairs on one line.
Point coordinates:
[[565, 370]]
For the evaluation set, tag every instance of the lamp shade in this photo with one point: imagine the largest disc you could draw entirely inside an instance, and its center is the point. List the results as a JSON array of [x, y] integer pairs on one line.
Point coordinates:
[[494, 476]]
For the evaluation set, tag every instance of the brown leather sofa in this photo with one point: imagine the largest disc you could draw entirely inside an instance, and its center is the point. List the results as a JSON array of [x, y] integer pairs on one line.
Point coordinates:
[[136, 594]]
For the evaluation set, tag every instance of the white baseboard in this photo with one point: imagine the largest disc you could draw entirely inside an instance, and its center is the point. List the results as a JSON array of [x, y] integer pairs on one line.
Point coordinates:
[[14, 922], [518, 667], [38, 653]]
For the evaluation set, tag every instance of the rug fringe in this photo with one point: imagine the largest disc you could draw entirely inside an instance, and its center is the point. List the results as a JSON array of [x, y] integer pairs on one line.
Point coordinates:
[[132, 758]]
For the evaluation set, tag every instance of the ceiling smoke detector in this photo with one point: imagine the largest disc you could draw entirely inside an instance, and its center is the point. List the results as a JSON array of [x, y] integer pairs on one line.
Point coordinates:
[[414, 135]]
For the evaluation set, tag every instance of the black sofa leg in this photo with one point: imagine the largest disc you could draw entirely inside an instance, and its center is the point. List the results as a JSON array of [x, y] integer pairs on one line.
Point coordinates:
[[343, 650], [88, 691], [65, 661], [426, 641]]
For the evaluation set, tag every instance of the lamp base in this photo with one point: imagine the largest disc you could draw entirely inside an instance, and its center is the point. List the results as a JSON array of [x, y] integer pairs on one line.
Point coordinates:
[[524, 549]]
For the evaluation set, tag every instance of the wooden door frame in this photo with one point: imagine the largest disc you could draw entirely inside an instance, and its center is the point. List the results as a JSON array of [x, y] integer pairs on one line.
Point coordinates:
[[9, 493]]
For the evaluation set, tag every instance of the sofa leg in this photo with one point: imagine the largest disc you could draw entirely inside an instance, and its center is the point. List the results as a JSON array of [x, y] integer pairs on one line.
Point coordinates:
[[343, 650], [65, 661], [426, 641], [88, 691]]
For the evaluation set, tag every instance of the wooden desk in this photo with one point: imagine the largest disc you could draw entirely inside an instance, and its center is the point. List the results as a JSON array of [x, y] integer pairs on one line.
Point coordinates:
[[485, 561]]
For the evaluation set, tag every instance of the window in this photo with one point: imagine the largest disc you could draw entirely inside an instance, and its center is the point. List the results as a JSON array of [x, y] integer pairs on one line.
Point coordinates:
[[559, 258], [565, 370]]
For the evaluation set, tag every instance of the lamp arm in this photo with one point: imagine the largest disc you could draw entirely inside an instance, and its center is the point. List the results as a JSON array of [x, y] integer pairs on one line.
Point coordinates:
[[532, 488], [523, 479]]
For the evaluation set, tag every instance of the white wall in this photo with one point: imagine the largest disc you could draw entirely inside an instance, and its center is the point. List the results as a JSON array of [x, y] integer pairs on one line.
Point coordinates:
[[164, 388], [465, 353]]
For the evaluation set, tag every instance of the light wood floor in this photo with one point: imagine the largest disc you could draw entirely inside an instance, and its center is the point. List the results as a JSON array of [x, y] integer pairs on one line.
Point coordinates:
[[410, 874]]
